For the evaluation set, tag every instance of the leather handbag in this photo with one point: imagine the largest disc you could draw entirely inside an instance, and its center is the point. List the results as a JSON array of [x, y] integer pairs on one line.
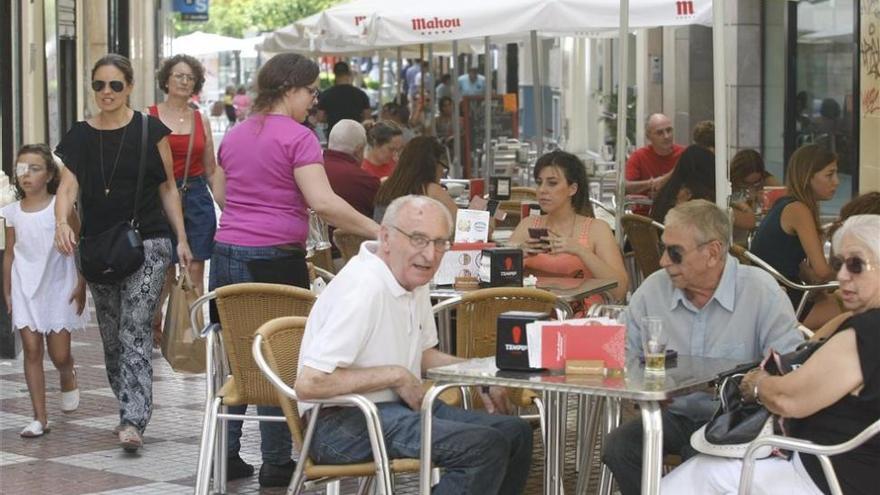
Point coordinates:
[[736, 422], [117, 252]]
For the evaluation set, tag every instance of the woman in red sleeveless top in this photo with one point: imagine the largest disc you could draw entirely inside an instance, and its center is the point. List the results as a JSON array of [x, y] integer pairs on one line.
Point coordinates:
[[181, 77], [577, 245]]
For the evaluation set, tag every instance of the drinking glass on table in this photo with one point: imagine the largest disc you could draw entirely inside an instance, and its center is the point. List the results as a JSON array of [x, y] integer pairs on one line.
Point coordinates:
[[654, 342]]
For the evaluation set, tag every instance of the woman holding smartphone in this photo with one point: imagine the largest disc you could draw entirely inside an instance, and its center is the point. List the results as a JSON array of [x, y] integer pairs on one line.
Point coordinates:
[[566, 240]]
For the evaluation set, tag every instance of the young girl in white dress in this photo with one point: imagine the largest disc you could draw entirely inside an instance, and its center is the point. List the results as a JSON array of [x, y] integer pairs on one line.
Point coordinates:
[[43, 290]]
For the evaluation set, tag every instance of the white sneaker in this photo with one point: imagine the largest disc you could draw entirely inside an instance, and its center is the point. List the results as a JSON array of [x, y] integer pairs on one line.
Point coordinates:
[[70, 400], [35, 429]]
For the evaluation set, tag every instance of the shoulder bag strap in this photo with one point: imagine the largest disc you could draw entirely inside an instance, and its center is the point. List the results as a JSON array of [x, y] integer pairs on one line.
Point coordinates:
[[145, 124], [189, 148]]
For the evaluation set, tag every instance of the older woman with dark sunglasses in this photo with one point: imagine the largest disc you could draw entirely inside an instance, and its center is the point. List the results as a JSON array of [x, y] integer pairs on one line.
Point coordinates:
[[833, 396], [101, 157]]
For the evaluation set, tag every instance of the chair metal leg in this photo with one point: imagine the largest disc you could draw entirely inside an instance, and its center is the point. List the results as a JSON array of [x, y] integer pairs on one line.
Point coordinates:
[[222, 456], [579, 431], [332, 488], [206, 447], [365, 485], [542, 419], [612, 421], [587, 440]]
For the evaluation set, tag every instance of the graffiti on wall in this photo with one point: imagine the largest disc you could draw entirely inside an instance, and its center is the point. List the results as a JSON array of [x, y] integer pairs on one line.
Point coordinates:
[[869, 46]]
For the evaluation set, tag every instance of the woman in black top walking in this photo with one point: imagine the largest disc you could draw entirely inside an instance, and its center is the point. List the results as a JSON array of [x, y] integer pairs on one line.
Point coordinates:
[[102, 159]]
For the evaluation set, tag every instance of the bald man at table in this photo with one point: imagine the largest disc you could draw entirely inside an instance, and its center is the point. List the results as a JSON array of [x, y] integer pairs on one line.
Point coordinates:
[[372, 332]]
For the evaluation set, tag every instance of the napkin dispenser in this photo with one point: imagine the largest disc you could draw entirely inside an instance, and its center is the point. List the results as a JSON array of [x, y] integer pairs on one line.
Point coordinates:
[[501, 267], [511, 343]]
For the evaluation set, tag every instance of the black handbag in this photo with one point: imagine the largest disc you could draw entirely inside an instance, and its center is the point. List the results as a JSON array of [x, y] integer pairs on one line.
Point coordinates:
[[117, 252], [736, 422]]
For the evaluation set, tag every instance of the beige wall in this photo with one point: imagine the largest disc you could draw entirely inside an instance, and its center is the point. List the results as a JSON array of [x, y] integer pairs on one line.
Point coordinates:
[[33, 75], [143, 48], [91, 31], [869, 150]]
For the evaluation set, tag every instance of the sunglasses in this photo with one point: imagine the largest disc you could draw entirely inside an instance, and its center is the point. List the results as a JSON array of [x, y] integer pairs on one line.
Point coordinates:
[[676, 253], [854, 264], [116, 86]]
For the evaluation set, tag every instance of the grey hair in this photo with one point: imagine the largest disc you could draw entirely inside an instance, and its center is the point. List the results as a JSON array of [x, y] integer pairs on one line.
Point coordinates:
[[347, 136], [416, 201], [865, 229], [710, 222]]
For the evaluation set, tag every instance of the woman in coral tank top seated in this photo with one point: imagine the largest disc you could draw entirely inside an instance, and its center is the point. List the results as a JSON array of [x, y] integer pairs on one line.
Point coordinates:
[[575, 244]]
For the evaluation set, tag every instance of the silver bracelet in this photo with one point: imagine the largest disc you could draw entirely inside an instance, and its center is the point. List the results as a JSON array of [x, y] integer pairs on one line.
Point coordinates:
[[755, 390]]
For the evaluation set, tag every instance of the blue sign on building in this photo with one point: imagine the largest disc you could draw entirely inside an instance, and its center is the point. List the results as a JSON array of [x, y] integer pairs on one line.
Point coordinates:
[[192, 10]]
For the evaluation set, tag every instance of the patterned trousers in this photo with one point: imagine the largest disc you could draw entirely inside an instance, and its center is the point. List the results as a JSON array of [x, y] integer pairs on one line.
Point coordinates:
[[125, 315]]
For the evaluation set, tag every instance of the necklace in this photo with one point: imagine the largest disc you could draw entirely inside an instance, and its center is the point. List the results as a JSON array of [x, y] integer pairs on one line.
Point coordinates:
[[115, 162], [181, 112]]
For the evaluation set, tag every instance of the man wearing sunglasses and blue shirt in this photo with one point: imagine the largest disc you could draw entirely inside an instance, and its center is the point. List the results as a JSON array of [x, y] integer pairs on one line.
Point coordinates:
[[372, 332], [711, 306]]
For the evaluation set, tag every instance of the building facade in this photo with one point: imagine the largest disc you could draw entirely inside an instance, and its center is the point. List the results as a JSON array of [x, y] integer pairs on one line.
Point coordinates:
[[47, 49]]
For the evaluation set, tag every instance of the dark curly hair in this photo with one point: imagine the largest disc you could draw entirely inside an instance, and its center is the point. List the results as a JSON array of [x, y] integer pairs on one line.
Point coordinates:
[[43, 151], [416, 169], [164, 72], [575, 173], [281, 73]]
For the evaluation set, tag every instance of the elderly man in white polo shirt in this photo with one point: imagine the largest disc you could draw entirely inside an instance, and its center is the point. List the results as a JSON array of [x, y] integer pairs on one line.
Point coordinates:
[[372, 332]]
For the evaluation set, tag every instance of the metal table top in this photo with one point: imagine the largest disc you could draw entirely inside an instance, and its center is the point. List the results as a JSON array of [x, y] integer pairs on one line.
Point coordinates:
[[567, 289], [689, 373]]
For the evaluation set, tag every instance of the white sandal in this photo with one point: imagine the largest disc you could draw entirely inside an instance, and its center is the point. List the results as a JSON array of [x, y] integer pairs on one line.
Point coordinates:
[[35, 429], [70, 400]]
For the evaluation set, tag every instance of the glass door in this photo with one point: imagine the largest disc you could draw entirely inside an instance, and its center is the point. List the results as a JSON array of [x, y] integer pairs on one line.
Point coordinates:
[[822, 87]]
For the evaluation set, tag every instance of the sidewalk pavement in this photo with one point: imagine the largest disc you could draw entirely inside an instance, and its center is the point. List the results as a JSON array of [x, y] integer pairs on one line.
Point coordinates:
[[80, 454]]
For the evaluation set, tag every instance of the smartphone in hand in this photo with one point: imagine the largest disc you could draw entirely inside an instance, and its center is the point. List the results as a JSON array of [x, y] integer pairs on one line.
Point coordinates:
[[538, 232]]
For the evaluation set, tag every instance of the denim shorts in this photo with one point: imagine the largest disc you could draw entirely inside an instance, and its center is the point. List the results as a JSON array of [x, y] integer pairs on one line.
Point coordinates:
[[199, 219]]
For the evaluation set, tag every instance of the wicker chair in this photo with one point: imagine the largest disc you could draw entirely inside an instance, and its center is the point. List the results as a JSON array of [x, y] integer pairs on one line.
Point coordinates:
[[523, 194], [644, 237], [513, 209], [475, 334], [276, 351], [348, 244], [242, 309]]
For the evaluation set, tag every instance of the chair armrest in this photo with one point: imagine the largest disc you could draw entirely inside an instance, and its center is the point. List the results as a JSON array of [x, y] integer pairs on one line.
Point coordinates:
[[805, 447], [786, 282], [194, 310], [323, 273], [367, 407], [446, 304]]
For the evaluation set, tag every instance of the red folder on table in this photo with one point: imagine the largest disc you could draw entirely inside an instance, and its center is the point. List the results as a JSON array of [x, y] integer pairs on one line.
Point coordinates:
[[552, 343]]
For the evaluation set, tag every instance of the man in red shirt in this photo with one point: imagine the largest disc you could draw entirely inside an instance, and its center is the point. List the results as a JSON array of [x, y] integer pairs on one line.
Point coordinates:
[[342, 163], [648, 167]]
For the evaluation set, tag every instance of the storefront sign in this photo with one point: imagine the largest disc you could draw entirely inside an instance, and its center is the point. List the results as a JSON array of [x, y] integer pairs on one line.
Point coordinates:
[[192, 10]]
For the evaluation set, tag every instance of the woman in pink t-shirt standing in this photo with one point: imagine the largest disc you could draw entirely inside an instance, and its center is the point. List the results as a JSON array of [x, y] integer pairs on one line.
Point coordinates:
[[273, 170]]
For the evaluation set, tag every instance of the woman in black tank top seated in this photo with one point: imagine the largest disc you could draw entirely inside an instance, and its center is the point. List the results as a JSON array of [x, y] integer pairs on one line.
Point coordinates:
[[790, 238]]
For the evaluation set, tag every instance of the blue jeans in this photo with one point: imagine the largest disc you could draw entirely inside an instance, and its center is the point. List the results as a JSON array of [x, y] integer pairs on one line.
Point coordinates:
[[622, 450], [229, 266], [481, 453]]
